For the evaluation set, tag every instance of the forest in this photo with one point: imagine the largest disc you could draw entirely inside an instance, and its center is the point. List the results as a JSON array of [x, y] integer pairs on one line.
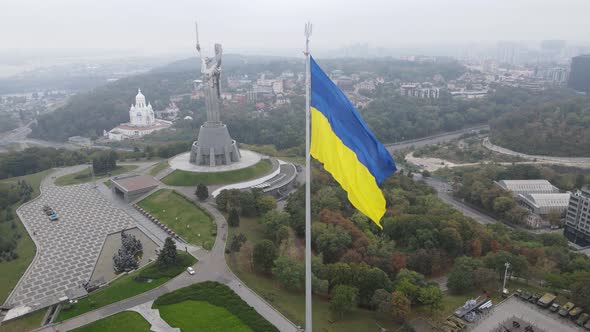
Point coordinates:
[[555, 128], [357, 264]]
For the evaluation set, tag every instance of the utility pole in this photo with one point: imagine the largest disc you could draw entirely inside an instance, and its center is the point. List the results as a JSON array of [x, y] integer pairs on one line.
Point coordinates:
[[507, 265]]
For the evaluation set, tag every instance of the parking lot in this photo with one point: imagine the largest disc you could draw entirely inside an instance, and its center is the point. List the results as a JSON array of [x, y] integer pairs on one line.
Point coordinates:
[[540, 318]]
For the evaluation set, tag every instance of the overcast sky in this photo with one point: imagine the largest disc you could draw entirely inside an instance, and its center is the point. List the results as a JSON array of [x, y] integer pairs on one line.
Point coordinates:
[[157, 26]]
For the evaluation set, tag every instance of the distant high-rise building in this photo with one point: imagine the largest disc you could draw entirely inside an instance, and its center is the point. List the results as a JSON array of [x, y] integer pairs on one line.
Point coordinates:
[[577, 218], [580, 73]]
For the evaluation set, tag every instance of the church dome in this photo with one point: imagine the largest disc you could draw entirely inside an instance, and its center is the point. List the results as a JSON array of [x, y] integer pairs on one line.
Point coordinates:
[[139, 99]]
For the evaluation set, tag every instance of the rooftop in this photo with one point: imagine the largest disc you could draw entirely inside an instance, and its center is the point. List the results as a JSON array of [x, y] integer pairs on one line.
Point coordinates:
[[548, 200], [134, 182], [528, 186]]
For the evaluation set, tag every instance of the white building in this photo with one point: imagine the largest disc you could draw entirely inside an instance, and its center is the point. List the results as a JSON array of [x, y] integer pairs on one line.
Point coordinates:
[[543, 204], [528, 186], [142, 121]]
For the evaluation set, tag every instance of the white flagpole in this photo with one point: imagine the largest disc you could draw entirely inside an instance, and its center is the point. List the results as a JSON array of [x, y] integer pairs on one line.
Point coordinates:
[[308, 327]]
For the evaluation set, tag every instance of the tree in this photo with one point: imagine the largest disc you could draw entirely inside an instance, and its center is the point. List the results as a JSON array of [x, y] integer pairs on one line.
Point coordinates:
[[461, 277], [236, 242], [344, 299], [264, 255], [126, 257], [332, 242], [233, 219], [581, 289], [266, 203], [289, 272], [274, 221], [451, 241], [485, 279], [382, 301], [400, 306], [554, 218], [432, 297], [167, 255], [202, 192]]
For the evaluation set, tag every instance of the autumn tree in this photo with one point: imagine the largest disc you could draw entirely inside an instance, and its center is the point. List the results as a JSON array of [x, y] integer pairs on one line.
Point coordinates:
[[400, 306]]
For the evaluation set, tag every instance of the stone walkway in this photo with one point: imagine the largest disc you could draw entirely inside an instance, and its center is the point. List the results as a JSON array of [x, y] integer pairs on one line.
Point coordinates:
[[67, 249], [153, 317]]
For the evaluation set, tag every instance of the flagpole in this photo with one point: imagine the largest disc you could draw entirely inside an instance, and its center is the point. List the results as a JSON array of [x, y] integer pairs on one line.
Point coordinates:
[[308, 324]]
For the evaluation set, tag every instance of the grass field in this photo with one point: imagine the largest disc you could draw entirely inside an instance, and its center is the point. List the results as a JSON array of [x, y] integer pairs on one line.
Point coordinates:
[[184, 178], [24, 323], [292, 304], [158, 168], [183, 216], [124, 287], [126, 321], [209, 317], [13, 270], [85, 175]]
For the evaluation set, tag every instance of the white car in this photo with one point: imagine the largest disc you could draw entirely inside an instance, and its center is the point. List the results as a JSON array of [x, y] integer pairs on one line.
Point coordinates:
[[190, 270]]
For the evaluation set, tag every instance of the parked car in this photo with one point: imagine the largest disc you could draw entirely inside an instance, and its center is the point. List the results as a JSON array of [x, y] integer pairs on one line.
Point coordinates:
[[534, 298], [519, 292], [526, 296], [587, 325], [565, 309], [54, 217], [554, 307], [546, 300], [583, 319], [190, 270], [575, 312]]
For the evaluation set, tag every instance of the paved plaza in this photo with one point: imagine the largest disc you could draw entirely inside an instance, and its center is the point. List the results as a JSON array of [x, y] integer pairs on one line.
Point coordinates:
[[68, 248], [513, 307], [182, 162]]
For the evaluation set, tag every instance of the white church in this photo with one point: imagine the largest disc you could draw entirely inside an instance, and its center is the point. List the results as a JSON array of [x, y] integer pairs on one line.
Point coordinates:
[[142, 121]]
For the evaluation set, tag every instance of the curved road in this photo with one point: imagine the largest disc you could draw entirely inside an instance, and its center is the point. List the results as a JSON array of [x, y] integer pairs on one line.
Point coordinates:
[[568, 161], [211, 266]]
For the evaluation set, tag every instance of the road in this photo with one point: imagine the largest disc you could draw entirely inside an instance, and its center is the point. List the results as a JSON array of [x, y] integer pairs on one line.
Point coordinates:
[[434, 139], [444, 191], [211, 266], [568, 161]]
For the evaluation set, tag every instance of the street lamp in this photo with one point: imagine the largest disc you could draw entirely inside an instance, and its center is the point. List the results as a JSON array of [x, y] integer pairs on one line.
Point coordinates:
[[504, 290]]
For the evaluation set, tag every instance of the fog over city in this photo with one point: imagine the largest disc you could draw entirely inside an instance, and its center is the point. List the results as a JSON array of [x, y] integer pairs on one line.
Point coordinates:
[[153, 27]]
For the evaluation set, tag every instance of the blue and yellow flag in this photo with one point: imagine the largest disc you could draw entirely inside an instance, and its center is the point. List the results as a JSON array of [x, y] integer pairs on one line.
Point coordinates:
[[341, 140]]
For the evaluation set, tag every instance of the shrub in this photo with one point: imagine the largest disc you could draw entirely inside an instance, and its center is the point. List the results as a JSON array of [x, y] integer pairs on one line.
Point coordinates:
[[221, 296]]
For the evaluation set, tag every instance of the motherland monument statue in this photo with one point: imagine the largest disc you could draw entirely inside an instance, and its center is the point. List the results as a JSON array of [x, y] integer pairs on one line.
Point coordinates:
[[214, 146]]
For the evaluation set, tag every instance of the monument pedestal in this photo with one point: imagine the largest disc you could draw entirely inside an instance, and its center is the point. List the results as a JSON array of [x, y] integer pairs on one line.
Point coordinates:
[[214, 146]]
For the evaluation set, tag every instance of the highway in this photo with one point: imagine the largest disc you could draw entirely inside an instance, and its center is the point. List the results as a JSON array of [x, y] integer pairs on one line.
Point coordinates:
[[434, 139]]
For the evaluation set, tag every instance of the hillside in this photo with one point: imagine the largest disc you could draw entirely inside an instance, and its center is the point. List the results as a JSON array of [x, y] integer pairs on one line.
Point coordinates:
[[555, 128]]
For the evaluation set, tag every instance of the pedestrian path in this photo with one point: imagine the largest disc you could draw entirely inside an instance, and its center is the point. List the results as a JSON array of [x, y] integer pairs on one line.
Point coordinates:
[[153, 317]]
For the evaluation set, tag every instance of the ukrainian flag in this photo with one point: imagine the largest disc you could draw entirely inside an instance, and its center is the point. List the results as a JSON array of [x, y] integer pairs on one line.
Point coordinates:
[[341, 140]]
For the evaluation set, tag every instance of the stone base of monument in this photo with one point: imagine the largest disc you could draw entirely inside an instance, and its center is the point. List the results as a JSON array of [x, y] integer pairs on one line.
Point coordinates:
[[214, 147], [182, 162]]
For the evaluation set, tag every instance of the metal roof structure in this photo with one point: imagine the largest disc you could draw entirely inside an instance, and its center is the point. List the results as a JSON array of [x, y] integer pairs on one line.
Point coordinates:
[[528, 186], [544, 203]]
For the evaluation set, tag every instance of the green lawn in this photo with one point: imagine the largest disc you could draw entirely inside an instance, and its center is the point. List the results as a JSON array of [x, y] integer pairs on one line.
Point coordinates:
[[209, 317], [126, 287], [126, 321], [182, 215], [185, 178], [292, 304], [24, 323], [85, 175], [158, 168], [13, 270]]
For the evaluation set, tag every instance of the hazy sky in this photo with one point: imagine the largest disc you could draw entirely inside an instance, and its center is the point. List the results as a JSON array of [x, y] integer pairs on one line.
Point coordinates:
[[158, 26]]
